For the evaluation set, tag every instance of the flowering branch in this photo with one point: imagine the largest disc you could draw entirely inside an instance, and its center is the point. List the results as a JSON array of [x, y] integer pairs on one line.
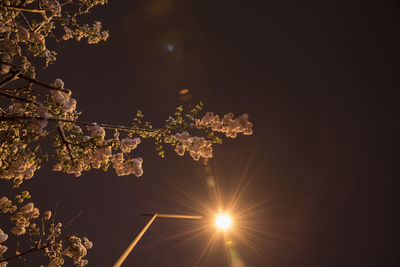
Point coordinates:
[[106, 126], [64, 140], [44, 85], [36, 110], [34, 249]]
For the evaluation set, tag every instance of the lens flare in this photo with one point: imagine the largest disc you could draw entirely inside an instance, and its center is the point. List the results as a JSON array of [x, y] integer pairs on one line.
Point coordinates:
[[244, 224], [223, 221]]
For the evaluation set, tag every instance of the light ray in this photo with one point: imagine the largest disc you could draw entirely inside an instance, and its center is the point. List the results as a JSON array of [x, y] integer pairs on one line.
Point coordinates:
[[258, 228]]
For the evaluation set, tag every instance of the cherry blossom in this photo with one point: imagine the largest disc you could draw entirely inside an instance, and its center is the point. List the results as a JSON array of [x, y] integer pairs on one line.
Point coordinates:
[[36, 113]]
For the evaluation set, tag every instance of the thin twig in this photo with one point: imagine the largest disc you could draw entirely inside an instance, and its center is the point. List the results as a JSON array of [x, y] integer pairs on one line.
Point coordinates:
[[65, 141], [10, 78], [42, 234], [45, 20], [26, 20], [55, 211], [72, 220]]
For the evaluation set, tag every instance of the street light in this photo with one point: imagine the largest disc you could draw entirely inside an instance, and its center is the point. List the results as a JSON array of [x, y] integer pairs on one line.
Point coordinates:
[[223, 221], [144, 229]]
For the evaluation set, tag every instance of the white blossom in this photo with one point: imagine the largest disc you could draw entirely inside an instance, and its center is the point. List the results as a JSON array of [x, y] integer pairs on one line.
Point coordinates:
[[76, 250], [38, 38], [68, 33], [57, 167], [58, 83], [10, 47], [3, 236], [6, 205], [23, 166], [22, 218], [128, 144], [4, 68], [87, 243], [47, 215], [196, 146], [23, 34], [231, 127], [54, 7], [40, 124], [100, 156], [126, 167], [56, 262], [69, 105], [97, 131]]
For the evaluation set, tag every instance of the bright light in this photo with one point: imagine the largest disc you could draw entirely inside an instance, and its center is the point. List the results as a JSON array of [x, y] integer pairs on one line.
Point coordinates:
[[223, 221]]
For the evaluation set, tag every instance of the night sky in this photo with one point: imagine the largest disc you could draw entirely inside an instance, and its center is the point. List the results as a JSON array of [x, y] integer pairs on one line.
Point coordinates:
[[319, 80]]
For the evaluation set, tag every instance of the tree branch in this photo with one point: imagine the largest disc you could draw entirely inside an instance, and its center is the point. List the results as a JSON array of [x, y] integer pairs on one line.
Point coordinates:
[[17, 98], [28, 251], [107, 126], [45, 85], [21, 8]]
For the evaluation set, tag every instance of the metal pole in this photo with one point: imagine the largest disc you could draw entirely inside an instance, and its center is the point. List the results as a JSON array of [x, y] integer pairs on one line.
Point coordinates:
[[174, 216], [134, 242]]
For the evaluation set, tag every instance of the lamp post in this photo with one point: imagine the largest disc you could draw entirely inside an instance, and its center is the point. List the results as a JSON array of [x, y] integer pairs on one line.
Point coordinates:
[[144, 229]]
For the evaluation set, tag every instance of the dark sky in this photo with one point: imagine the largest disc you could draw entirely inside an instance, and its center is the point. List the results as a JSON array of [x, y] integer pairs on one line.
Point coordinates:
[[319, 80]]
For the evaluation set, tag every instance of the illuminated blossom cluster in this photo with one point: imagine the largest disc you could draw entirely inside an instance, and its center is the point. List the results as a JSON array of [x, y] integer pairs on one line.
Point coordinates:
[[64, 99], [76, 170], [17, 161], [22, 218], [77, 250], [228, 125], [196, 146], [38, 39], [38, 111], [6, 206], [68, 33], [22, 168], [16, 109], [97, 131], [127, 166], [100, 156], [54, 7], [95, 35], [56, 262], [32, 110], [39, 124], [127, 144], [94, 157]]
